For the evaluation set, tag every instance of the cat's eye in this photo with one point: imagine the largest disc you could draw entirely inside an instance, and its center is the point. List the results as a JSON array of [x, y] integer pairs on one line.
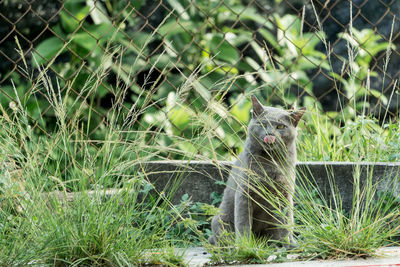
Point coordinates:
[[280, 126]]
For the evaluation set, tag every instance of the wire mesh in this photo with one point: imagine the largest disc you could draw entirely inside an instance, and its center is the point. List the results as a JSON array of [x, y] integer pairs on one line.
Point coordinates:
[[340, 56]]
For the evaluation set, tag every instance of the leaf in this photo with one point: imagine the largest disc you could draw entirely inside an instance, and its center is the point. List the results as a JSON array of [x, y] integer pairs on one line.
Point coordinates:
[[187, 146], [311, 40], [97, 12], [179, 115], [74, 5], [289, 24], [374, 50], [70, 20], [137, 3], [136, 45], [172, 27], [203, 92], [84, 40], [250, 13], [378, 95], [185, 197], [223, 50], [161, 61], [46, 50], [59, 32], [265, 76], [271, 39], [309, 62], [179, 9], [238, 37], [218, 108], [348, 38], [104, 32], [241, 110], [261, 53]]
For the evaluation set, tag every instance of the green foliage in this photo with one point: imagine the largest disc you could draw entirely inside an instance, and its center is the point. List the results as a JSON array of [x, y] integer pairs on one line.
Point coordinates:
[[358, 139], [92, 229], [85, 32], [193, 225], [363, 46], [326, 230], [296, 54], [207, 115], [250, 250]]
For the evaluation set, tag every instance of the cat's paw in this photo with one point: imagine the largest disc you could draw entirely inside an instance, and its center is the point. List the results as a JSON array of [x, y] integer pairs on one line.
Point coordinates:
[[212, 240], [292, 244]]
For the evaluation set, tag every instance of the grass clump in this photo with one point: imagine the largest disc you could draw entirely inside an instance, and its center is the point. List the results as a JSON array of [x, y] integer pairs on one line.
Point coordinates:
[[245, 250], [89, 230], [42, 222], [326, 229]]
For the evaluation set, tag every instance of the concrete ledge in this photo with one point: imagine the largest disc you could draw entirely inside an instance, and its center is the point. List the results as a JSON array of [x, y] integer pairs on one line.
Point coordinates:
[[199, 179]]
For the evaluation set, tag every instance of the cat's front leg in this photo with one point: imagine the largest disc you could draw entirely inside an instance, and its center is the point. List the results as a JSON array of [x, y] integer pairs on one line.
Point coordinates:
[[243, 213]]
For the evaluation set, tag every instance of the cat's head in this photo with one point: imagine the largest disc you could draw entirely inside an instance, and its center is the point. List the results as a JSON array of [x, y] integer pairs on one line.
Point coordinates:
[[273, 127]]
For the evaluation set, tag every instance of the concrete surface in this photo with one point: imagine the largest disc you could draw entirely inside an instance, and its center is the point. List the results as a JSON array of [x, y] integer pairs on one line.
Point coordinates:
[[196, 256], [389, 256]]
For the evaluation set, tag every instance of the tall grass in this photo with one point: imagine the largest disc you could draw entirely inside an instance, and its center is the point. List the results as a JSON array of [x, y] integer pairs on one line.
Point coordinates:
[[89, 229], [360, 139], [327, 229], [138, 224]]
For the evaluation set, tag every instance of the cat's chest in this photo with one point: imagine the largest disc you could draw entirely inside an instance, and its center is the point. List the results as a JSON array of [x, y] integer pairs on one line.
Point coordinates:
[[264, 169]]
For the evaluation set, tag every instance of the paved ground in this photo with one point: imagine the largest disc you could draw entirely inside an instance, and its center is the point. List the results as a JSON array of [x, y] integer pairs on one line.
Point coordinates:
[[386, 257]]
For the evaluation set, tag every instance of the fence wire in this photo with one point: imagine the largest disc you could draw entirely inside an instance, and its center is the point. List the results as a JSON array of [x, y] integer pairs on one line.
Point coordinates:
[[341, 57]]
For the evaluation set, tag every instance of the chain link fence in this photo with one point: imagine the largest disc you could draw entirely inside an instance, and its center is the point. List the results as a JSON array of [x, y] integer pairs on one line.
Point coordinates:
[[164, 64]]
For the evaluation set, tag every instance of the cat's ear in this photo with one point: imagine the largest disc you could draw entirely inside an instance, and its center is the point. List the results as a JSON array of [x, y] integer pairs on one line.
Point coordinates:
[[296, 115], [292, 106], [257, 108]]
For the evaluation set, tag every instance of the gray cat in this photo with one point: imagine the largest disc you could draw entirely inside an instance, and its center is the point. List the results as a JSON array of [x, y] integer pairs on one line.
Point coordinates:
[[258, 194]]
